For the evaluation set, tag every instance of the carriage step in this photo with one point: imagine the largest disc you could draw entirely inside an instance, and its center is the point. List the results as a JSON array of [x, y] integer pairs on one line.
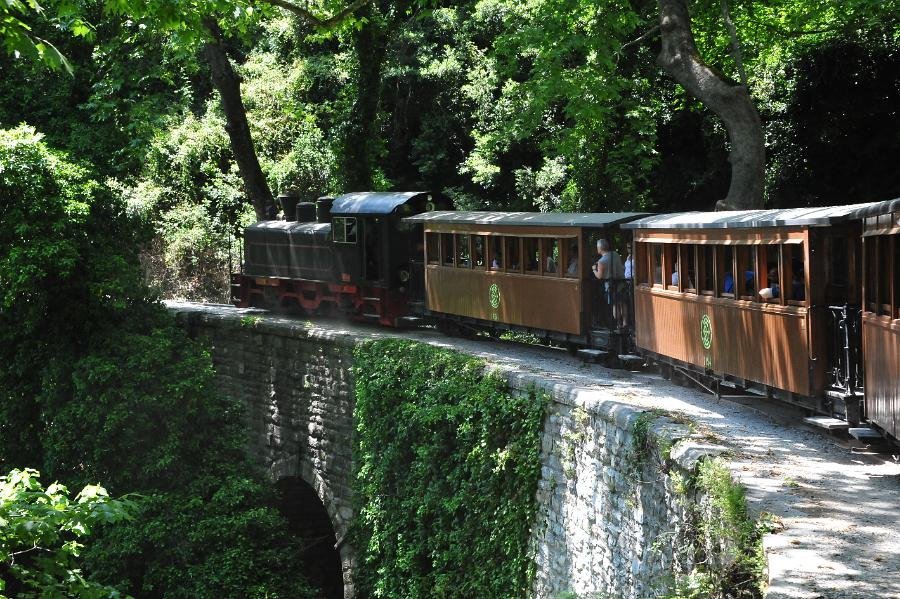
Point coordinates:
[[864, 434], [410, 321], [375, 316], [631, 359], [843, 395], [371, 299], [592, 355], [830, 424]]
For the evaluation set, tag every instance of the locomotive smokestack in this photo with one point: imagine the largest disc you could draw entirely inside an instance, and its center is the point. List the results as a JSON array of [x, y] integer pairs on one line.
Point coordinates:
[[288, 200], [323, 209]]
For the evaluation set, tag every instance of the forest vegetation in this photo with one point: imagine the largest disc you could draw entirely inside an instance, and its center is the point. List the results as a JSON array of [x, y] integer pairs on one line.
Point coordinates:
[[501, 104], [137, 138]]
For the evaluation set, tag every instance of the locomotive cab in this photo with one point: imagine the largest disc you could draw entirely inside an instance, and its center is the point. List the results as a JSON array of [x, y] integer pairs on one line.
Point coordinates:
[[375, 251]]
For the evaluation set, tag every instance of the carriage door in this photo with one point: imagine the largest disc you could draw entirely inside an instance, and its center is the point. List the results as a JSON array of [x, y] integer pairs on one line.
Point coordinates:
[[372, 250]]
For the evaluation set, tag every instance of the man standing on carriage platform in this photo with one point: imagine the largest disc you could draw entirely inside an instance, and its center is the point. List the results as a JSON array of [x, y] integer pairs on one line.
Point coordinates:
[[610, 269]]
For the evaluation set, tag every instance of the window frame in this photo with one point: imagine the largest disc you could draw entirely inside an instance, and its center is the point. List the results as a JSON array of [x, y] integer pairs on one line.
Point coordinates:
[[432, 235], [344, 221], [457, 246], [702, 262]]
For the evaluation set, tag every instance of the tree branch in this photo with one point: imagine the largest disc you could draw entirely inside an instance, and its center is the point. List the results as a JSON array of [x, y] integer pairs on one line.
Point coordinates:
[[312, 19], [648, 33], [735, 44]]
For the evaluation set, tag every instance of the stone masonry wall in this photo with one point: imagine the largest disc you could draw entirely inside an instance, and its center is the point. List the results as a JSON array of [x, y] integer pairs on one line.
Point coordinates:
[[611, 522], [614, 516], [296, 384]]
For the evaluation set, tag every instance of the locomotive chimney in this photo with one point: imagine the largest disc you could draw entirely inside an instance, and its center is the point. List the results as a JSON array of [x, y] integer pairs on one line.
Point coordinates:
[[323, 209], [288, 201]]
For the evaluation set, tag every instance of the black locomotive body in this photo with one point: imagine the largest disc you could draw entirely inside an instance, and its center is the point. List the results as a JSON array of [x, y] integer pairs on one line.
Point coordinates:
[[355, 260]]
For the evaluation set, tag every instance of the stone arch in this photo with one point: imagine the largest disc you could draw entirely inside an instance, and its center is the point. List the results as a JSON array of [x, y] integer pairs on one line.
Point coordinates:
[[329, 557]]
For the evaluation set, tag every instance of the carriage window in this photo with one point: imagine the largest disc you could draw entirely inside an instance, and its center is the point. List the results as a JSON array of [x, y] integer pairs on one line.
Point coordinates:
[[794, 273], [896, 275], [894, 267], [478, 250], [657, 254], [551, 256], [689, 268], [462, 251], [497, 253], [707, 270], [725, 266], [871, 251], [433, 247], [514, 251], [670, 255], [746, 279], [572, 263], [447, 249], [532, 255], [884, 274], [343, 229], [770, 280]]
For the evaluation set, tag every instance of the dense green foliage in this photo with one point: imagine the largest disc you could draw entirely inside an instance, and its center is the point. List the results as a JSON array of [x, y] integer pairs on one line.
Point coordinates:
[[448, 462], [97, 383], [42, 534], [501, 104]]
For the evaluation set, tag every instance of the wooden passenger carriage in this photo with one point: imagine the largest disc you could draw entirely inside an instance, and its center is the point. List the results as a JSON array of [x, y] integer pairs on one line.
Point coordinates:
[[881, 314], [527, 270], [753, 297]]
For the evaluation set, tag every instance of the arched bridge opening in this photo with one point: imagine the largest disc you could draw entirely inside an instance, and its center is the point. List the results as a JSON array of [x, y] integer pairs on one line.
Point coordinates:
[[309, 521]]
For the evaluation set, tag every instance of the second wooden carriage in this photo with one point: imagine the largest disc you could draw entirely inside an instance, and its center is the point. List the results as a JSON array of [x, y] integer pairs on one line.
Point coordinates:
[[753, 297]]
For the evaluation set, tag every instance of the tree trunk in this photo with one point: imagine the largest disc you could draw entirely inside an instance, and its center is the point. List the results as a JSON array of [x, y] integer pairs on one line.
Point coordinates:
[[729, 100], [228, 84], [370, 46]]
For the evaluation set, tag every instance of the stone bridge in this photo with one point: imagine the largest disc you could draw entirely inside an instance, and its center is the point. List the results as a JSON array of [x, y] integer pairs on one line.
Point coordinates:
[[598, 530]]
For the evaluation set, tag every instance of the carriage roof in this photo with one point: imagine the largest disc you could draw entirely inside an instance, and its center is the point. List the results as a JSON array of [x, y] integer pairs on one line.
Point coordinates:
[[878, 208], [737, 219], [519, 219]]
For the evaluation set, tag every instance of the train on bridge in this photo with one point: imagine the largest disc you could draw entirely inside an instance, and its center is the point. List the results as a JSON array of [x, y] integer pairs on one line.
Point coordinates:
[[798, 304]]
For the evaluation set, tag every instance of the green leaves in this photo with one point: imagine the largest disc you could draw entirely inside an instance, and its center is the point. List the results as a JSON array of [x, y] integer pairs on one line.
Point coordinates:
[[98, 383], [19, 39], [40, 534], [448, 464]]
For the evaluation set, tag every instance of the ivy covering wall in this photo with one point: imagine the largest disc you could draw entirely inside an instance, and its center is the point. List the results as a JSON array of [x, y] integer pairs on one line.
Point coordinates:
[[448, 461]]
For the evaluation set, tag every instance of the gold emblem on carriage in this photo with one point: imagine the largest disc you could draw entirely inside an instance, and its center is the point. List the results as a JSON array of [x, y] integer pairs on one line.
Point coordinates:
[[705, 331], [494, 296]]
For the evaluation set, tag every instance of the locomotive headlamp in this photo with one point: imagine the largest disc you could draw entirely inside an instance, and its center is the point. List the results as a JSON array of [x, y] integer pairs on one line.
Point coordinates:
[[403, 275]]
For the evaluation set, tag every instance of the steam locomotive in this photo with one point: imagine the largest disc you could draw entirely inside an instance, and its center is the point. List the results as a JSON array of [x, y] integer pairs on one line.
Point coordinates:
[[800, 304]]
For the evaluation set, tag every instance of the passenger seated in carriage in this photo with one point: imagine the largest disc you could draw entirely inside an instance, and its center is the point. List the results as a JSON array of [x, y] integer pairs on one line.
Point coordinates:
[[572, 268], [773, 291]]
